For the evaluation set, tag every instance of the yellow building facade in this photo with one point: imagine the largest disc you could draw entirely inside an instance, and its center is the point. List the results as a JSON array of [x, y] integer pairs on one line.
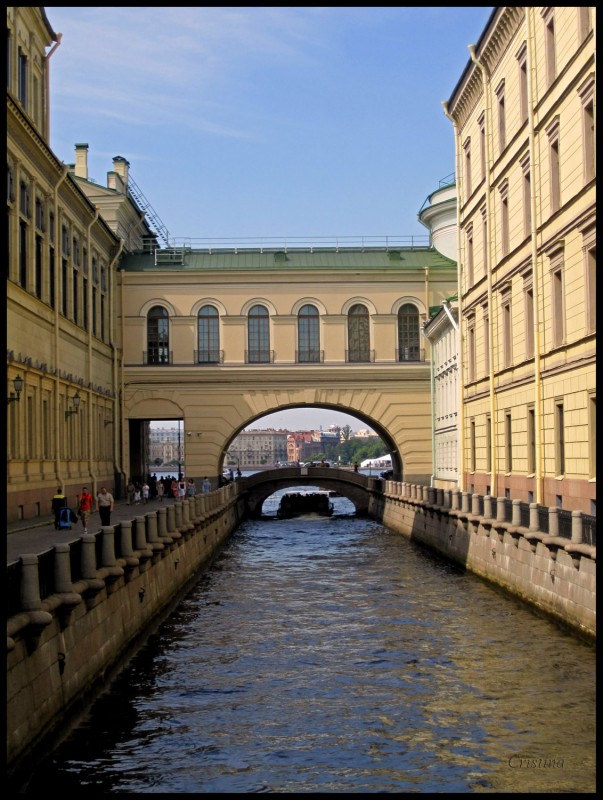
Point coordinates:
[[524, 120]]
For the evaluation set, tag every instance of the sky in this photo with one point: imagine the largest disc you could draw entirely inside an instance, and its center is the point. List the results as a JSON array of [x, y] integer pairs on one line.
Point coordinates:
[[266, 124]]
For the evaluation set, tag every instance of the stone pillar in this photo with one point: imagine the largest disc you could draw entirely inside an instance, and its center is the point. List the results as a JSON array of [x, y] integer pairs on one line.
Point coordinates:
[[431, 495], [30, 583], [62, 568], [152, 536], [553, 522], [534, 521], [475, 504], [500, 509], [171, 520], [440, 497], [108, 534], [162, 523], [576, 527], [88, 556], [465, 502], [455, 495], [178, 512], [141, 535], [488, 507], [516, 519], [126, 539]]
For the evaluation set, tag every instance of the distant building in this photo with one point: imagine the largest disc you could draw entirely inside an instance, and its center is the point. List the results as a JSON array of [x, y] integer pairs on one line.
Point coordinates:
[[257, 448]]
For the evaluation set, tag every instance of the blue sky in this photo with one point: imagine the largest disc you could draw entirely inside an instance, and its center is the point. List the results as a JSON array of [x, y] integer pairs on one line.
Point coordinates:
[[265, 122], [246, 122]]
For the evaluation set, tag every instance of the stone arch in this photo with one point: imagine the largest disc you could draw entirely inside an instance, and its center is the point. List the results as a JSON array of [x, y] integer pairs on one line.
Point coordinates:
[[259, 301], [158, 301], [208, 301], [345, 309], [309, 301], [401, 301]]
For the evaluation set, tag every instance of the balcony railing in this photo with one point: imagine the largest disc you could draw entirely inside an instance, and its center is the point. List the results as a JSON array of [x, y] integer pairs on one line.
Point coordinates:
[[209, 356], [158, 356], [410, 354], [259, 356], [360, 356], [310, 356]]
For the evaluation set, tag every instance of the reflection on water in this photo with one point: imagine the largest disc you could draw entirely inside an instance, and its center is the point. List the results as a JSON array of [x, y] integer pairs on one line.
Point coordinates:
[[334, 655]]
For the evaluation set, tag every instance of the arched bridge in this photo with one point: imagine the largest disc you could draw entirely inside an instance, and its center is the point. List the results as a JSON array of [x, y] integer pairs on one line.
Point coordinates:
[[355, 486]]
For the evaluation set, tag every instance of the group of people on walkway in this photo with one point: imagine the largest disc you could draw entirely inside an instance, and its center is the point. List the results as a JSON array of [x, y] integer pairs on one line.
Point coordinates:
[[137, 493], [86, 504]]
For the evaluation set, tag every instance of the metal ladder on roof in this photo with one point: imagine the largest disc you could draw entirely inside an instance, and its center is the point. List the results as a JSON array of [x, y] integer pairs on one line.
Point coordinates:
[[150, 213]]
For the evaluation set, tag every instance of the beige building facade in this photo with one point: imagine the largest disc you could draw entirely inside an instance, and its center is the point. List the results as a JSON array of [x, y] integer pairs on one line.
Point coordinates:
[[524, 120], [221, 338], [62, 346]]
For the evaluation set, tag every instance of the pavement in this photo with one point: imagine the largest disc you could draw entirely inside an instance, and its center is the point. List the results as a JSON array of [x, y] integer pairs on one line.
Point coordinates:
[[38, 535]]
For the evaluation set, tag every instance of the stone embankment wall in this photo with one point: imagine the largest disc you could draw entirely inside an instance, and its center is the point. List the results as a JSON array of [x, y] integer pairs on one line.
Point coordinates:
[[493, 538], [81, 620]]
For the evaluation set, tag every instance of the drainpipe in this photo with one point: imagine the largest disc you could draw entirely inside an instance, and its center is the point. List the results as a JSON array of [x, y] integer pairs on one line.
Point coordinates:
[[530, 56], [116, 408], [59, 424], [433, 419], [47, 87], [88, 301], [489, 219], [459, 272]]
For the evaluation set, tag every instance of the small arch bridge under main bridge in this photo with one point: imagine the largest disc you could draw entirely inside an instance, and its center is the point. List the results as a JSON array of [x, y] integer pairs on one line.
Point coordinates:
[[353, 485]]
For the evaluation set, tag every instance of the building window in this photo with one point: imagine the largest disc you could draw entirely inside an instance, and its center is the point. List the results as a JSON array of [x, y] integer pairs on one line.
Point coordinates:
[[85, 303], [358, 334], [38, 267], [158, 342], [471, 348], [531, 441], [527, 196], [23, 76], [502, 122], [584, 23], [51, 278], [408, 333], [558, 309], [529, 320], [555, 186], [208, 336], [588, 138], [592, 435], [467, 148], [485, 239], [308, 338], [591, 288], [486, 329], [64, 287], [488, 443], [23, 239], [76, 286], [559, 439], [482, 145], [470, 257], [472, 445], [504, 218], [94, 310], [523, 83], [258, 335], [549, 44], [508, 442], [507, 330]]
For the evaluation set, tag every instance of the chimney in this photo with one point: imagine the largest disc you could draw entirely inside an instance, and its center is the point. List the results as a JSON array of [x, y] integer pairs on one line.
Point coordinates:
[[81, 161], [120, 165]]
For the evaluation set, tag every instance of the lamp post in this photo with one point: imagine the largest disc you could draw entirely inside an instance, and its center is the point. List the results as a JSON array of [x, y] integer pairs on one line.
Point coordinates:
[[76, 406], [16, 395], [179, 450]]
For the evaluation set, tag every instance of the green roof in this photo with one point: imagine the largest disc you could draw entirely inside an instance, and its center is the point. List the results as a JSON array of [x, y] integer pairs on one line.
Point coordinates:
[[183, 259]]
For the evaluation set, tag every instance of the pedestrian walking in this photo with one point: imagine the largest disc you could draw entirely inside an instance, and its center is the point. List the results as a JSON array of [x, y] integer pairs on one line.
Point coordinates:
[[181, 489], [174, 489], [59, 501], [104, 505], [85, 507], [160, 491], [191, 490], [145, 492], [206, 485], [137, 494], [130, 489]]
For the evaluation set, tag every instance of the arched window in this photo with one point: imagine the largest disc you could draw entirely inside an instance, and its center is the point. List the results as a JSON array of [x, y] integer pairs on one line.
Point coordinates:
[[158, 336], [358, 334], [408, 333], [258, 336], [208, 336], [308, 338]]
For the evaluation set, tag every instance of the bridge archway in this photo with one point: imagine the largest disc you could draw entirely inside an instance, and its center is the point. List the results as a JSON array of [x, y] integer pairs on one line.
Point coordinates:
[[258, 487]]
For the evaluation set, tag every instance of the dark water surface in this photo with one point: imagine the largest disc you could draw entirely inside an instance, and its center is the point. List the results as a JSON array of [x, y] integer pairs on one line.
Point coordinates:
[[332, 655]]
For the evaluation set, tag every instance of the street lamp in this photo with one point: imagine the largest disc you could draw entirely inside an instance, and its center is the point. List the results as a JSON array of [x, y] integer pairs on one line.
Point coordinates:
[[16, 395], [76, 406]]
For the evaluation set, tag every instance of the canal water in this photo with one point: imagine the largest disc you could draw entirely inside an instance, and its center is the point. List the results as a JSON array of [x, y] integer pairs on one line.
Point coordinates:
[[333, 655]]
